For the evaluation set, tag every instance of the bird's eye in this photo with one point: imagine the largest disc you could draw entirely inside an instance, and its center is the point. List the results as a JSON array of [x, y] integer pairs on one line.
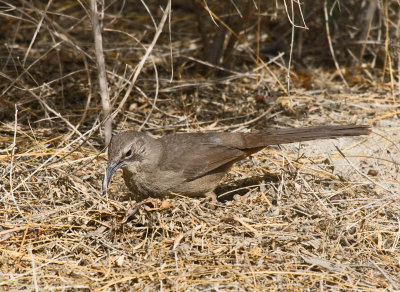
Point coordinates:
[[129, 153]]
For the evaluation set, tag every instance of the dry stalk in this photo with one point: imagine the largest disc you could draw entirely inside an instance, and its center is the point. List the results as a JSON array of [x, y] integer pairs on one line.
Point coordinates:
[[101, 69]]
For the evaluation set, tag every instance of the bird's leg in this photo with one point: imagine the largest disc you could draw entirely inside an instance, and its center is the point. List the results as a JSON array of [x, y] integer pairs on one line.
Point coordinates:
[[212, 197]]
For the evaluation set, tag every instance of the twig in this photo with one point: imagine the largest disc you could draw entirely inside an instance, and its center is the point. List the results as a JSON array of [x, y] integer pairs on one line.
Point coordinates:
[[12, 160], [328, 35], [39, 25], [155, 97], [143, 60], [101, 67]]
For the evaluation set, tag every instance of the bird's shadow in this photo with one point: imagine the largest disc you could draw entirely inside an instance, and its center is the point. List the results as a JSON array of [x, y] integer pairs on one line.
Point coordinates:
[[226, 191]]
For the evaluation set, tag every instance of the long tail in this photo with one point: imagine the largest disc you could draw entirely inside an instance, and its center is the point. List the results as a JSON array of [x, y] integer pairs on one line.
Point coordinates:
[[290, 135]]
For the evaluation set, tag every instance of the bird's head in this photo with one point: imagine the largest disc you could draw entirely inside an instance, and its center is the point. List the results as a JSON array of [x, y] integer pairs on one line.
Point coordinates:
[[127, 149]]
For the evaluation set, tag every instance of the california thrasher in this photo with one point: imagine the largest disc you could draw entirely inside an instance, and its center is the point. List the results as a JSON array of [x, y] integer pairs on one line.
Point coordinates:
[[193, 164]]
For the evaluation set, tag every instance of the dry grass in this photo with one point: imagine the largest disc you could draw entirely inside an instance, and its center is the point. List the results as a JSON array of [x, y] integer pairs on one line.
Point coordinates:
[[294, 217]]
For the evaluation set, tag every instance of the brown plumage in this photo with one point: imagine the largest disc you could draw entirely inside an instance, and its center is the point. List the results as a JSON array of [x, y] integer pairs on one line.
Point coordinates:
[[193, 164]]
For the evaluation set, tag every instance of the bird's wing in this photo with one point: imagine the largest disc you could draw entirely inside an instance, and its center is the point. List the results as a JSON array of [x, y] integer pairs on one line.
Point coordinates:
[[197, 155]]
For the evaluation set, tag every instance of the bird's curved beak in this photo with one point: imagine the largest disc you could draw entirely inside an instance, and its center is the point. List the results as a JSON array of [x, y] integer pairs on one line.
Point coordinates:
[[110, 170]]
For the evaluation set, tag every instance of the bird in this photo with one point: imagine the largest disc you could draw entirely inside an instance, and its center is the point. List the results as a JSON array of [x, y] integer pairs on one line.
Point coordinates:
[[193, 164]]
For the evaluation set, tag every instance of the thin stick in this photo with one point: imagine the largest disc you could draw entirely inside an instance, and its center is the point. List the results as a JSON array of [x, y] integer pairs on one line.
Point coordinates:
[[143, 60], [12, 160], [328, 35], [39, 25], [101, 67], [155, 97]]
